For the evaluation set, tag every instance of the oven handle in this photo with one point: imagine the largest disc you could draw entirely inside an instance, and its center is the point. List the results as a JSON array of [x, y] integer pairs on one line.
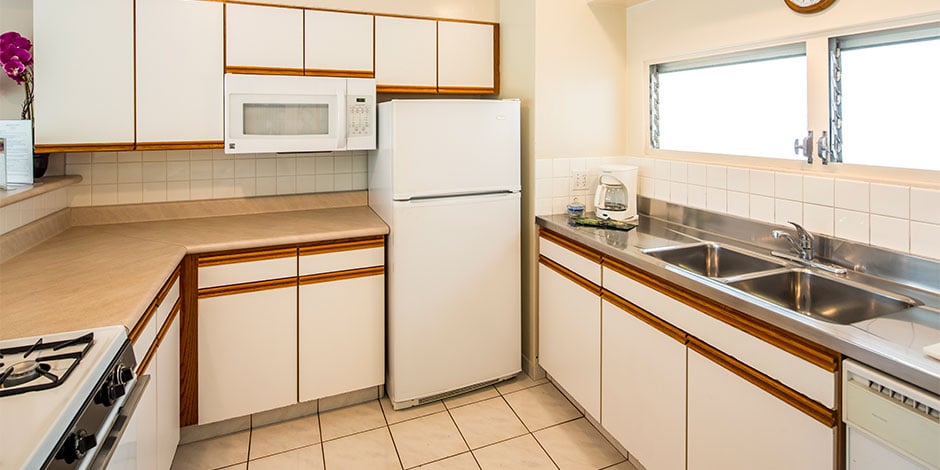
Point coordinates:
[[106, 451]]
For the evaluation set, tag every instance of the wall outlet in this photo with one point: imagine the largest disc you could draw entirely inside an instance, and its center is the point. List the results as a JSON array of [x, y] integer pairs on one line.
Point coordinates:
[[579, 180]]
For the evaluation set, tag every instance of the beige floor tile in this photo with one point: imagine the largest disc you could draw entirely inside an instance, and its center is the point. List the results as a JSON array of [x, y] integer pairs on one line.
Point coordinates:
[[351, 420], [372, 450], [522, 381], [305, 458], [486, 422], [471, 397], [622, 466], [463, 461], [238, 466], [212, 453], [521, 452], [541, 406], [409, 413], [280, 437], [426, 439], [577, 445]]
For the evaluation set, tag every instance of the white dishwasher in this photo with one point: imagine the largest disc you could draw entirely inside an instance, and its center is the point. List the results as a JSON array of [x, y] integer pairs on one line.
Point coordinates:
[[889, 424]]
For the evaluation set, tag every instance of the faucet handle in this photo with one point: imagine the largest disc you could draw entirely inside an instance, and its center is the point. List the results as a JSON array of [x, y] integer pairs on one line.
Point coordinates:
[[806, 238]]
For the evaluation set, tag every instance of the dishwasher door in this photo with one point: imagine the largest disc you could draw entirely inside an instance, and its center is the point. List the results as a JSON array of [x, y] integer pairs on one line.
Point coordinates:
[[890, 424]]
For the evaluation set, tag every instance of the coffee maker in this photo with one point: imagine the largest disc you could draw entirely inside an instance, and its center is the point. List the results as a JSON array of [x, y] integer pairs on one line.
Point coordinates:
[[616, 193]]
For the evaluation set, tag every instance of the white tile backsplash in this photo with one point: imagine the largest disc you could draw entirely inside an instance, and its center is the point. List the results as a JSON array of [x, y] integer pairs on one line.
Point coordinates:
[[716, 176], [716, 199], [891, 233], [679, 172], [818, 190], [890, 200], [924, 239], [762, 182], [739, 179], [786, 211], [697, 174], [697, 196], [678, 193], [852, 195], [762, 208], [925, 205], [788, 186], [739, 204], [818, 219], [852, 225], [18, 214]]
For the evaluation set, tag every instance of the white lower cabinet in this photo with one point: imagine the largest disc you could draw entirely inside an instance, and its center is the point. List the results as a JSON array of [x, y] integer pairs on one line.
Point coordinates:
[[644, 389], [167, 388], [341, 336], [570, 336], [137, 449], [247, 352], [733, 424]]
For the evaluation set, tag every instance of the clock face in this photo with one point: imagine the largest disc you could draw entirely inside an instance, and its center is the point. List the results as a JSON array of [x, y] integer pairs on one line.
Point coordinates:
[[808, 6]]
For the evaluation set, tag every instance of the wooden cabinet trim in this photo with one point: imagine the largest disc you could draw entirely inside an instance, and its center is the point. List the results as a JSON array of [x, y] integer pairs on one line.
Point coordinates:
[[456, 90], [245, 256], [793, 398], [189, 344], [142, 366], [247, 287], [98, 147], [339, 73], [181, 145], [405, 89], [345, 245], [263, 70], [571, 276], [811, 352], [647, 317], [341, 275], [571, 245], [155, 304]]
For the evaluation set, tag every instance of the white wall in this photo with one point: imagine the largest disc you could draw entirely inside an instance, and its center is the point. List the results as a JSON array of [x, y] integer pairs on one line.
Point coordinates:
[[15, 15]]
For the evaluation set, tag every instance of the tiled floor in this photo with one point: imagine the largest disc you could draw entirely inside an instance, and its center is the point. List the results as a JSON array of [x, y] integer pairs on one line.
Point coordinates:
[[520, 424]]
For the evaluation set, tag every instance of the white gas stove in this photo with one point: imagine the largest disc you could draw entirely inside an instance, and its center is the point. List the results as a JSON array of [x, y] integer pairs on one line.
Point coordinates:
[[61, 395]]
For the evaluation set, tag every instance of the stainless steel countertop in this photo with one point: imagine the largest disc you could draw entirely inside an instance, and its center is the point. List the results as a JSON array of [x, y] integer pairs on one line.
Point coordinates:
[[892, 343]]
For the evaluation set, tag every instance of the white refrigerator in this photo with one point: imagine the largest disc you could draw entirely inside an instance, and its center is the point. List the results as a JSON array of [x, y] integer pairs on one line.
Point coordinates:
[[446, 179]]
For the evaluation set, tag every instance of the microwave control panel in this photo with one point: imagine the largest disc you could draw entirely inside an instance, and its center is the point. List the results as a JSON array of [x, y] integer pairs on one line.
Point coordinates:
[[359, 115]]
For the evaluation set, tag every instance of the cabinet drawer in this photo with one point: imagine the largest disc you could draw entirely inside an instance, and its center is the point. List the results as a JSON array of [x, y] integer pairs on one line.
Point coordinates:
[[793, 371], [575, 262], [166, 306], [226, 270], [341, 260], [144, 339]]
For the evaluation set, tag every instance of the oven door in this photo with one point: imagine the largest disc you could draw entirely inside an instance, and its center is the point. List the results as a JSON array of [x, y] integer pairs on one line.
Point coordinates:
[[284, 114], [119, 446]]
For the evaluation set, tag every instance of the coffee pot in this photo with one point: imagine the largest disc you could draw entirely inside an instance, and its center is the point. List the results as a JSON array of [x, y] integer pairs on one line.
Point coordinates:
[[616, 193]]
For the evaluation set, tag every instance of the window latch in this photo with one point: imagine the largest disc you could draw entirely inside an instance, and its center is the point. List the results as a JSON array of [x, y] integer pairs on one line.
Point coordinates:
[[806, 146], [822, 148]]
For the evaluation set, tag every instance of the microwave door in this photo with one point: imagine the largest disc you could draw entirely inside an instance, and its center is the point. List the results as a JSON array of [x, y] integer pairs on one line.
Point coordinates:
[[282, 123]]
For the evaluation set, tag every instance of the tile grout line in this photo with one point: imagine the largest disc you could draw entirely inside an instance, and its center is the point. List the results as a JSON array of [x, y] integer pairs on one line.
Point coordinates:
[[388, 427], [464, 438]]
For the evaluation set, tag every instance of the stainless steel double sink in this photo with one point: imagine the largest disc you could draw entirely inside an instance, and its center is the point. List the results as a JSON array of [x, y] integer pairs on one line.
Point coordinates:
[[801, 290]]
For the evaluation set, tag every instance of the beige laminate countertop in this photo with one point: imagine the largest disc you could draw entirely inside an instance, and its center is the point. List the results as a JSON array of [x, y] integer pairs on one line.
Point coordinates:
[[100, 275]]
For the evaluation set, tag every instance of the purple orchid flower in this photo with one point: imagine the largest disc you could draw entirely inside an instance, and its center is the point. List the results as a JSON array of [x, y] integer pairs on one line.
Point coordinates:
[[17, 61]]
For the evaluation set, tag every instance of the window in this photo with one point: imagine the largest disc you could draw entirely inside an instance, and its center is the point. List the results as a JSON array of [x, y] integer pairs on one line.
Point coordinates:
[[885, 97], [752, 103]]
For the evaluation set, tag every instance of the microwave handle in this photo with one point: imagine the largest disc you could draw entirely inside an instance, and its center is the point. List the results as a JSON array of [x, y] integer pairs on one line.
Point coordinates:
[[341, 120]]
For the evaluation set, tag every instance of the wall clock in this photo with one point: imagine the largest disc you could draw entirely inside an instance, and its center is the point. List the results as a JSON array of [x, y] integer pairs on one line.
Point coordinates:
[[808, 6]]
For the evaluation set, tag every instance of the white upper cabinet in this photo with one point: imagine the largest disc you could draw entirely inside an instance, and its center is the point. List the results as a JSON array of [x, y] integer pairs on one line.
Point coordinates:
[[264, 37], [465, 55], [179, 71], [84, 73], [338, 43], [405, 54]]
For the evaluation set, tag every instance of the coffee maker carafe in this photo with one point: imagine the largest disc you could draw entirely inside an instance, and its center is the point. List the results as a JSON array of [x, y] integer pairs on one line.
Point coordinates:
[[616, 193]]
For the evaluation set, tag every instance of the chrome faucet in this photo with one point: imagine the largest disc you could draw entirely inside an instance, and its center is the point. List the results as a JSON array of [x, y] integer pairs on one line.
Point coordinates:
[[804, 247]]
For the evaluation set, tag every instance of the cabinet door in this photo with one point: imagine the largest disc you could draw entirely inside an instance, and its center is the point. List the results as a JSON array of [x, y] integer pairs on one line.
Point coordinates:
[[465, 57], [247, 353], [179, 72], [338, 44], [262, 37], [342, 336], [405, 54], [570, 337], [84, 73], [643, 389], [733, 424], [168, 395]]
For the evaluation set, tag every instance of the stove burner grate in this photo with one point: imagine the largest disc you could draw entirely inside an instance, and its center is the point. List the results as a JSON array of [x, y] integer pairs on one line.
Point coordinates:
[[23, 375]]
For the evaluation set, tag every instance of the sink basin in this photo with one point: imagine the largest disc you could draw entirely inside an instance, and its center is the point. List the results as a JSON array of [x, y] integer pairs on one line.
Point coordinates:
[[821, 297], [709, 259]]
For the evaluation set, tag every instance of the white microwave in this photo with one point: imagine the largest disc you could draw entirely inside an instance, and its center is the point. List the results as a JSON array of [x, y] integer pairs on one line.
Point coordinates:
[[276, 113]]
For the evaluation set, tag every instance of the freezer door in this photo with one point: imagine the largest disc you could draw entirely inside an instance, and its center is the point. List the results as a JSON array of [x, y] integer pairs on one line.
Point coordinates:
[[444, 147], [454, 300]]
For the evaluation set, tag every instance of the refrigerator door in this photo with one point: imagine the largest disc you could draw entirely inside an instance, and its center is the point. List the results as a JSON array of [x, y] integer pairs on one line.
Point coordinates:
[[446, 147], [454, 295]]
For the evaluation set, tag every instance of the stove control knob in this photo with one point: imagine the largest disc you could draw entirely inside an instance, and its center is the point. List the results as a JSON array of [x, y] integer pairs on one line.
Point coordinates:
[[109, 393], [124, 374], [76, 445]]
